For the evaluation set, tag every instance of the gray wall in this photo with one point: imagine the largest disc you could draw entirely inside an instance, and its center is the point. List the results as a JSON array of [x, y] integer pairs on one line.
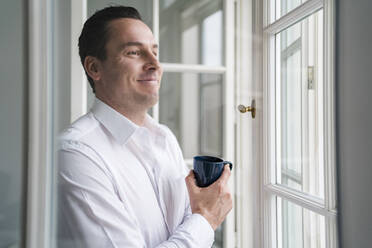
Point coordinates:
[[354, 122], [13, 119]]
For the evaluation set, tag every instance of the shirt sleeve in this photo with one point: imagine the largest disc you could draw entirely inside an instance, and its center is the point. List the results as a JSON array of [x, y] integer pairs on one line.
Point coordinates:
[[195, 231], [91, 213]]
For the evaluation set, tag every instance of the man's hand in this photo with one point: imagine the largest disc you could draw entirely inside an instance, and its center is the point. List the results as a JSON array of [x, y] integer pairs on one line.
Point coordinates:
[[213, 202]]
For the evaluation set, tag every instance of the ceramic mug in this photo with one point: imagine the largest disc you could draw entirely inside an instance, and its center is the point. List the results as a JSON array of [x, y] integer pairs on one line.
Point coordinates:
[[208, 169]]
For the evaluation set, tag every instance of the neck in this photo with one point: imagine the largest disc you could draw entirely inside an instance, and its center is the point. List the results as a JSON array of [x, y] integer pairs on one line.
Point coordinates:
[[136, 115]]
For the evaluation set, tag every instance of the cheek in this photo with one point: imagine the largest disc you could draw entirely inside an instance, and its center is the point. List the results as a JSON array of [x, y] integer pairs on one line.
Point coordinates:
[[122, 73], [129, 70]]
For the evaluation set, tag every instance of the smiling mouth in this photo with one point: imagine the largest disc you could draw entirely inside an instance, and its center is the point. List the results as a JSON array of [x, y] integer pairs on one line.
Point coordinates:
[[148, 80]]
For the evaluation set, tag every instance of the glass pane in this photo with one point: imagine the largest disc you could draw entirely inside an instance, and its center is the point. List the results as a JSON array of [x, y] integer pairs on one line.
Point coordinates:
[[61, 17], [299, 102], [144, 8], [282, 7], [13, 125], [191, 106], [191, 32], [218, 237], [299, 227]]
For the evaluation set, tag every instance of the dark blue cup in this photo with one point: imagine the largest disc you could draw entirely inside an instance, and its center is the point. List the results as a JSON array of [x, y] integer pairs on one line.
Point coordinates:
[[208, 169]]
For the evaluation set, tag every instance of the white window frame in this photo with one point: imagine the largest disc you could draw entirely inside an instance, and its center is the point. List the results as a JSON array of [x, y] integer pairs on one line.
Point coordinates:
[[248, 131], [269, 187], [41, 136]]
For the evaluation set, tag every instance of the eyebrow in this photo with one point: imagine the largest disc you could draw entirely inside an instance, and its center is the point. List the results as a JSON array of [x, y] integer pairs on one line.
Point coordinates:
[[135, 43]]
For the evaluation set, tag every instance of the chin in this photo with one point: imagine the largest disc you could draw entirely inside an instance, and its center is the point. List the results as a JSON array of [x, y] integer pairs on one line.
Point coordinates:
[[149, 101], [154, 100]]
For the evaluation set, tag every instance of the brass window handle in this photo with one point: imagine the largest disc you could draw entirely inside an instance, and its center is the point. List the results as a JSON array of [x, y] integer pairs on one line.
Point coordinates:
[[252, 109]]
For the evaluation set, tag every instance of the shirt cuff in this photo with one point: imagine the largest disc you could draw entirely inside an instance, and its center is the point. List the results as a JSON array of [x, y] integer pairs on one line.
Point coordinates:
[[200, 229]]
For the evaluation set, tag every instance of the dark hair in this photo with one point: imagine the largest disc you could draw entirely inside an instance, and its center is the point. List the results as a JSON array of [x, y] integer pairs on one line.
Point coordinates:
[[95, 33]]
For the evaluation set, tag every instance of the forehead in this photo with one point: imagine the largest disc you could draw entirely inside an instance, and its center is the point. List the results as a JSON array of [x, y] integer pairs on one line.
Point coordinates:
[[125, 30]]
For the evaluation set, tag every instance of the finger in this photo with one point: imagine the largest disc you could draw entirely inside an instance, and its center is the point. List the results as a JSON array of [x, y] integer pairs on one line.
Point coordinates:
[[225, 174], [190, 180]]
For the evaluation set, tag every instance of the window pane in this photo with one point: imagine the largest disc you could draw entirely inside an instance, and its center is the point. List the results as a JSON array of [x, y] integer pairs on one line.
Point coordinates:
[[191, 106], [282, 7], [299, 101], [144, 7], [13, 125], [191, 32], [299, 227]]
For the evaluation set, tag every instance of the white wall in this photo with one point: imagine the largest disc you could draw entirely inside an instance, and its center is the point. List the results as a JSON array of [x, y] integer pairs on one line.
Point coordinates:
[[354, 122]]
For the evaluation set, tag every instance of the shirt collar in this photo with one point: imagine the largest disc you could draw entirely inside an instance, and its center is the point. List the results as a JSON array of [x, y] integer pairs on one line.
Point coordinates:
[[117, 124]]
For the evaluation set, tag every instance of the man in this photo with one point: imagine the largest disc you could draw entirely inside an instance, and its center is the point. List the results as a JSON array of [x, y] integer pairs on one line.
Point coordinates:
[[121, 174]]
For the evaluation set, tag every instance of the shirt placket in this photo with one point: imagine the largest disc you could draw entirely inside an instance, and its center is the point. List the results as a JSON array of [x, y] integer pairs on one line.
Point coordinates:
[[145, 143]]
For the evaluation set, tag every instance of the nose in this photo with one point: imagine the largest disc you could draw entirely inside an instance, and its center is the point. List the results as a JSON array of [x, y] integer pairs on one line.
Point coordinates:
[[152, 62]]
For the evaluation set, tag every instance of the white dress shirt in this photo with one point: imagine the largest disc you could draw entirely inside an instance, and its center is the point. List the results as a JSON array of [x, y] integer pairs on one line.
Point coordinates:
[[123, 185]]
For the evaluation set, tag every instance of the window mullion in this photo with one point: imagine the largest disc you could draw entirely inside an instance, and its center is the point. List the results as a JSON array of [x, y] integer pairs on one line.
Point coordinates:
[[299, 13], [329, 110], [331, 232], [155, 19], [306, 201], [155, 30], [175, 67], [329, 122]]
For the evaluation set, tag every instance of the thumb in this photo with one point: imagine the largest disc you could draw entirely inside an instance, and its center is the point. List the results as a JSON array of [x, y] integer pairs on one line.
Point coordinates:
[[225, 174]]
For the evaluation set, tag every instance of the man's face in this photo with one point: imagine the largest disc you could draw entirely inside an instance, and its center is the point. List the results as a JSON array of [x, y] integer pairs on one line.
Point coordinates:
[[130, 75]]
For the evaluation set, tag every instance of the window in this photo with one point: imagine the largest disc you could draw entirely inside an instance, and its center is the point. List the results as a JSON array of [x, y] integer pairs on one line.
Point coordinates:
[[208, 70], [299, 103], [298, 188]]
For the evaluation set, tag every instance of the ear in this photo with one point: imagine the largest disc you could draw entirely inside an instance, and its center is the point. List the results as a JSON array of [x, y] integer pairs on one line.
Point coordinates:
[[92, 67]]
